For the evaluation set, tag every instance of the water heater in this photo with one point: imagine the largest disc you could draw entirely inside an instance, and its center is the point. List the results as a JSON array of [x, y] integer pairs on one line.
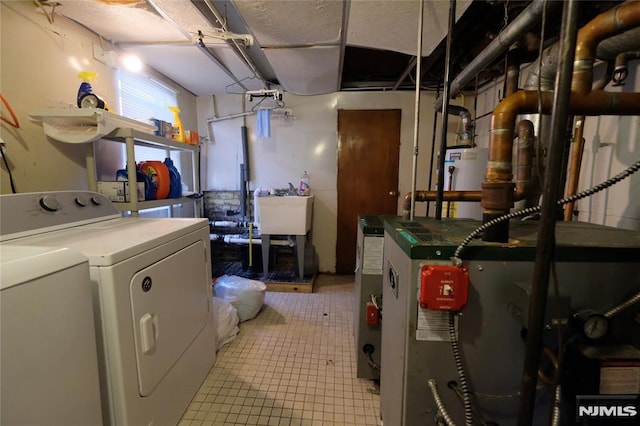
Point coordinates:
[[464, 170]]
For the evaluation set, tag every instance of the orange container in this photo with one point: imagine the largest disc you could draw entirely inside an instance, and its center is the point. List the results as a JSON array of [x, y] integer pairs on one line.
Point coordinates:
[[159, 175]]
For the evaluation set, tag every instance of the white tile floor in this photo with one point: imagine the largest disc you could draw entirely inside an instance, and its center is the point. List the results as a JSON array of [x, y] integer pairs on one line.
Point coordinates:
[[294, 364]]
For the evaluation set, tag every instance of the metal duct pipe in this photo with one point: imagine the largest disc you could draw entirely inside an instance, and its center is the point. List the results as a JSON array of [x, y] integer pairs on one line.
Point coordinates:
[[546, 229], [525, 20], [608, 24], [433, 195], [467, 133], [628, 41], [543, 71]]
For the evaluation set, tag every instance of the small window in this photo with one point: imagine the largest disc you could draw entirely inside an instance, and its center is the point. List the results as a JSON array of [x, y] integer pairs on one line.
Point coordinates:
[[142, 97]]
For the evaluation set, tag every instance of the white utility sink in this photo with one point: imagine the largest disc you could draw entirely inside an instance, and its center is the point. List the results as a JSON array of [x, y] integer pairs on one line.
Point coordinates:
[[288, 215]]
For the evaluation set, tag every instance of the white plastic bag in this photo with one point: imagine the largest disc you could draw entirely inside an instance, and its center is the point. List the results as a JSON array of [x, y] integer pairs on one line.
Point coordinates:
[[227, 320], [246, 295]]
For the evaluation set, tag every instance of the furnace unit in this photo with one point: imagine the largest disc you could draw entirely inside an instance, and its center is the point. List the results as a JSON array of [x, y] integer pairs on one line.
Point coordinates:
[[368, 295], [597, 269]]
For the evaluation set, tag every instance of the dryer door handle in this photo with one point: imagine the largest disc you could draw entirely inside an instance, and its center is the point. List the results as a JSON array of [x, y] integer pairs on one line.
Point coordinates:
[[148, 332]]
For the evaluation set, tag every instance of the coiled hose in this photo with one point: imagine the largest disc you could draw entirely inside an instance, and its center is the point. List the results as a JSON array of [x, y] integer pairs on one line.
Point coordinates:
[[466, 400], [457, 260]]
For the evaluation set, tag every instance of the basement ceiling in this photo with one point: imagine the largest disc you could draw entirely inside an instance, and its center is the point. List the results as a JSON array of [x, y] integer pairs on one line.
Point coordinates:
[[307, 47]]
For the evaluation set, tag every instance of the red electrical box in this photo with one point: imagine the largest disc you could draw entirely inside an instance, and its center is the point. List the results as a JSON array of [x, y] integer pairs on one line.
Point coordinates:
[[373, 315], [444, 287]]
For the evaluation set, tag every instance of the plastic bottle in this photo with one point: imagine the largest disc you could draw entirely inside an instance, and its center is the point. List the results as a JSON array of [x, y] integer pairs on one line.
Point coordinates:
[[304, 188], [86, 98], [177, 123]]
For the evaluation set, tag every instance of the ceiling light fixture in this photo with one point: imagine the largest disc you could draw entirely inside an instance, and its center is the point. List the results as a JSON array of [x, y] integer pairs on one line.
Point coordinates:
[[132, 63]]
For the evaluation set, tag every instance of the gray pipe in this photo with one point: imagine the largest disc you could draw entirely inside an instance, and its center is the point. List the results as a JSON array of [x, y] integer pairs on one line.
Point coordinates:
[[467, 123], [529, 17], [628, 41]]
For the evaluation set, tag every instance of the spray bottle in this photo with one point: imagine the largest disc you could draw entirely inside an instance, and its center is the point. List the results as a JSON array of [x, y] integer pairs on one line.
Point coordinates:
[[177, 123], [304, 188], [86, 98]]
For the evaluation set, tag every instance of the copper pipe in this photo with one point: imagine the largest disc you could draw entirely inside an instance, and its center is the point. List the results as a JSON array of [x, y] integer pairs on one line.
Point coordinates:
[[610, 23], [577, 149], [432, 195], [525, 159], [499, 166]]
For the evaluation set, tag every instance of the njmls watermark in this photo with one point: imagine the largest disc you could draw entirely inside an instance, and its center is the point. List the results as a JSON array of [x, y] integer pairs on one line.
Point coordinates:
[[608, 409]]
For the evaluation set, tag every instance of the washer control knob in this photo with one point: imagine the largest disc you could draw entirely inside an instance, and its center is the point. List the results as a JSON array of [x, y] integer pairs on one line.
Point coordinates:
[[49, 203], [96, 200], [81, 201]]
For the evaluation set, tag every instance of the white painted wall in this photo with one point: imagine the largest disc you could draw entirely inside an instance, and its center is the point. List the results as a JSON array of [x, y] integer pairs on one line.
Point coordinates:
[[38, 69], [308, 143], [612, 145]]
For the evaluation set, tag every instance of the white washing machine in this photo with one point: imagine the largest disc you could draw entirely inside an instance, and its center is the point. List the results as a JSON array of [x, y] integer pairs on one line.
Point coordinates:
[[151, 284], [48, 359]]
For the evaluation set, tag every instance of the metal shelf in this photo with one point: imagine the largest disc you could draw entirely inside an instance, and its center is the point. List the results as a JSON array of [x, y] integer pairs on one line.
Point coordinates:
[[85, 126], [132, 137]]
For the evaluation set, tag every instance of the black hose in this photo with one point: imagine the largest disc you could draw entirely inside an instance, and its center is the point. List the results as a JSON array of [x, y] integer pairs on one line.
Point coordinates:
[[6, 163]]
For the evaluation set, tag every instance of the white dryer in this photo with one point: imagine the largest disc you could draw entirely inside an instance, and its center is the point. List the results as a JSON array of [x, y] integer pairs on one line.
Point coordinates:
[[48, 359], [151, 282]]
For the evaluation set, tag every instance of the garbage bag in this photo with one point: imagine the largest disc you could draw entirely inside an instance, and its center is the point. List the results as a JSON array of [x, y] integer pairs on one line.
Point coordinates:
[[227, 319], [246, 295]]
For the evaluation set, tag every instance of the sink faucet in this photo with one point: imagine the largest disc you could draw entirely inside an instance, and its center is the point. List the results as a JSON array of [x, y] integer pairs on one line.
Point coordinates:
[[292, 189]]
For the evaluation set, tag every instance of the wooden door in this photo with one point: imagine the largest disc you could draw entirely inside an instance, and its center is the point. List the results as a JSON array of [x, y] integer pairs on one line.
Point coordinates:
[[368, 155]]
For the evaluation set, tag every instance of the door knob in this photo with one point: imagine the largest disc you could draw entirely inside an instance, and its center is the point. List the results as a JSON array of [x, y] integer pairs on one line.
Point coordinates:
[[393, 194]]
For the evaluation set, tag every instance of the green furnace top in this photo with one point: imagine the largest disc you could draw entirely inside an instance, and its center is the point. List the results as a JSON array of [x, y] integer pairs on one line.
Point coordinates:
[[371, 224], [430, 239]]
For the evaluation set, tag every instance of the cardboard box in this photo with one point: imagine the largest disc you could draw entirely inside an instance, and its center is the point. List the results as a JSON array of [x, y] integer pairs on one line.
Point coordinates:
[[118, 191], [191, 137]]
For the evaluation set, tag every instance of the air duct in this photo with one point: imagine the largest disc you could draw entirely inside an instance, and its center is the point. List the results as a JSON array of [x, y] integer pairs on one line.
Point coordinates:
[[467, 133], [529, 17]]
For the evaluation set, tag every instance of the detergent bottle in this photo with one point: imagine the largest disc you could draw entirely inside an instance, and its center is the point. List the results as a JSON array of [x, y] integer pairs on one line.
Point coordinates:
[[86, 98], [179, 136]]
